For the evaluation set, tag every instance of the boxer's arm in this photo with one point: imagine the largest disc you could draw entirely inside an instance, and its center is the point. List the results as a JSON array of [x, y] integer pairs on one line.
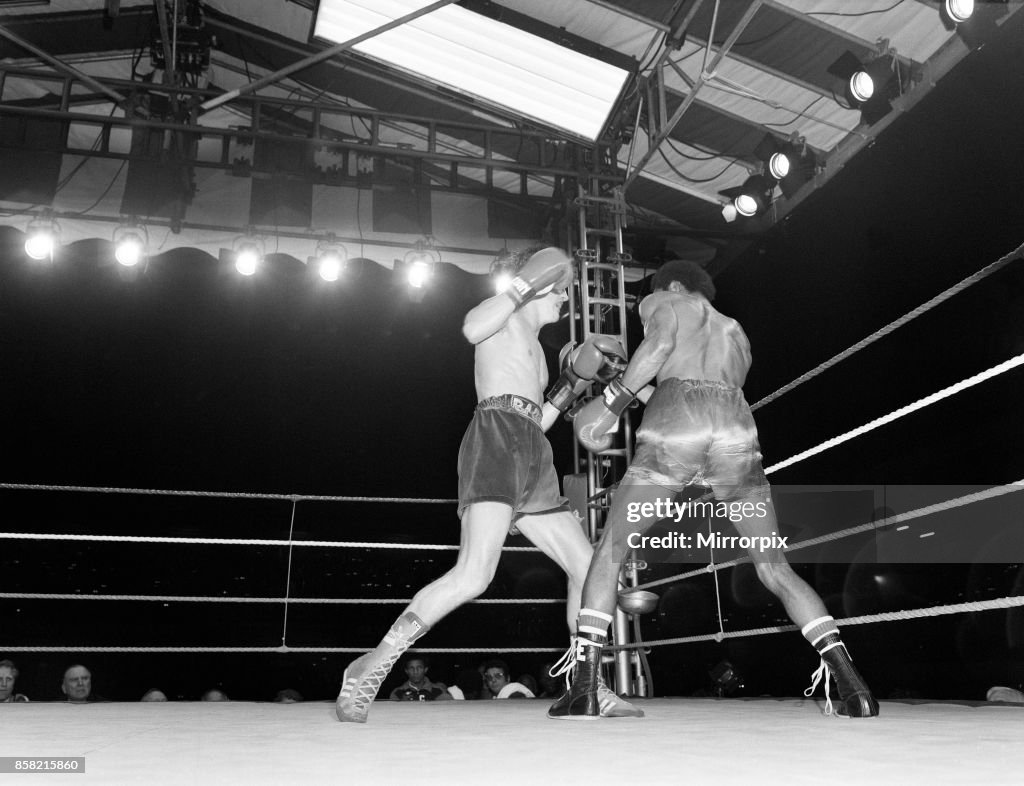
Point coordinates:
[[486, 319], [548, 415], [654, 350]]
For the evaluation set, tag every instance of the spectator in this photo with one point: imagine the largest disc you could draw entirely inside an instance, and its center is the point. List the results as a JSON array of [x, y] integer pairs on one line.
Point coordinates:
[[496, 678], [8, 675], [154, 694], [288, 696], [215, 694], [77, 686], [418, 686]]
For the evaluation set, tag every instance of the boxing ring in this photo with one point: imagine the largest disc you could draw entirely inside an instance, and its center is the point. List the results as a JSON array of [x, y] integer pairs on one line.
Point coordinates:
[[692, 739], [705, 741]]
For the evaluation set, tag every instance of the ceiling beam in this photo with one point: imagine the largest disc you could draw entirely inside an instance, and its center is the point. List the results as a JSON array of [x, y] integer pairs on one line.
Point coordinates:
[[61, 66], [673, 121]]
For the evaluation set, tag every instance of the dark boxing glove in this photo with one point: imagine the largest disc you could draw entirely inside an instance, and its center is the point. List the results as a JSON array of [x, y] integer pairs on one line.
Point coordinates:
[[579, 366], [595, 421], [614, 358], [549, 268]]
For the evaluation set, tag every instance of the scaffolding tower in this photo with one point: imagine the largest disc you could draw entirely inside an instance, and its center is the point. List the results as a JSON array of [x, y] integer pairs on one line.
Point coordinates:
[[601, 308]]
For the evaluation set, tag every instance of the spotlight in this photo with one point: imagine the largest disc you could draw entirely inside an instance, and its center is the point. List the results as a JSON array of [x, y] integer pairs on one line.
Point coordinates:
[[954, 12], [790, 163], [753, 197], [41, 242], [330, 258], [503, 268], [974, 26], [419, 263], [130, 244], [867, 86], [248, 252]]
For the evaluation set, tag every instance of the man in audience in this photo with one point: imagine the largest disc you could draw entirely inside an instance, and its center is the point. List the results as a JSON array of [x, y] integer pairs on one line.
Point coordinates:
[[8, 675]]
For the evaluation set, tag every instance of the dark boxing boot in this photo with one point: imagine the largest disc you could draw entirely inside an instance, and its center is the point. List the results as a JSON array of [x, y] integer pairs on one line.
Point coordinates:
[[855, 699], [583, 663]]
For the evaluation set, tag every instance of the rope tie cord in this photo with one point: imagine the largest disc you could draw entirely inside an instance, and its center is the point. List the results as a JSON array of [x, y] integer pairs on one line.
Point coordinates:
[[894, 325]]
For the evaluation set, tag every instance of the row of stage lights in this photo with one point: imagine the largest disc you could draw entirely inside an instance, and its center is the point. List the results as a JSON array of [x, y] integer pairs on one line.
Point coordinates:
[[247, 253], [867, 86]]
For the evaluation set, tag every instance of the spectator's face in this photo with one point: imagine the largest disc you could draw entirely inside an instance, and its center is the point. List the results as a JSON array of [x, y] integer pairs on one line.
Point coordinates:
[[6, 682], [495, 679], [416, 671], [77, 683]]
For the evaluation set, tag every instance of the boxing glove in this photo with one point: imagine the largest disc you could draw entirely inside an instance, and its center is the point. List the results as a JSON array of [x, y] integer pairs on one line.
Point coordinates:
[[549, 268], [579, 366], [594, 422], [614, 358]]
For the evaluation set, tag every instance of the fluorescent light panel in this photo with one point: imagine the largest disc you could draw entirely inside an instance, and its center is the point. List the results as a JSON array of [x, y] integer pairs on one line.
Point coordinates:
[[483, 58]]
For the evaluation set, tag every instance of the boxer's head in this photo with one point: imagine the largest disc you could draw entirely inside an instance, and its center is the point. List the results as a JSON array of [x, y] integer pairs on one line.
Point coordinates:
[[690, 275]]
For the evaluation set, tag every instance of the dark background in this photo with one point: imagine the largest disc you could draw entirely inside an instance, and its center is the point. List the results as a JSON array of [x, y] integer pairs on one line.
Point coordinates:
[[190, 378]]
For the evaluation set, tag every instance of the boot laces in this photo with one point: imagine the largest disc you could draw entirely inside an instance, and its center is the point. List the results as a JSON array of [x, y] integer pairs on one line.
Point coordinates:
[[567, 663], [823, 672], [363, 690]]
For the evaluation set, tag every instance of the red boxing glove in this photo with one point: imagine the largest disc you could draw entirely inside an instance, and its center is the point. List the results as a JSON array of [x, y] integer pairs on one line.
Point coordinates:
[[595, 421], [549, 268]]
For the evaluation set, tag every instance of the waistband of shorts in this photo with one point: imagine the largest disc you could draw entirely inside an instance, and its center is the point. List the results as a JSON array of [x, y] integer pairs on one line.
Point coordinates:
[[517, 405], [701, 383]]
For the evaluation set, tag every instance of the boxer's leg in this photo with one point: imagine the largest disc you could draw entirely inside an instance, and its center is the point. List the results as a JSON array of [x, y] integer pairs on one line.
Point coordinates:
[[484, 527]]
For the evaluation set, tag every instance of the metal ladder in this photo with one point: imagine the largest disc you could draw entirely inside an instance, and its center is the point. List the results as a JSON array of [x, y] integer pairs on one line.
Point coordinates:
[[601, 261]]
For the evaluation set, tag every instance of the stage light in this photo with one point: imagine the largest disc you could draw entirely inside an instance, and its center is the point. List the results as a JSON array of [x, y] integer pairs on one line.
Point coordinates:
[[330, 259], [248, 251], [751, 198], [419, 263], [419, 273], [790, 162], [975, 26], [503, 268], [779, 165], [130, 242], [957, 11], [42, 240], [867, 86]]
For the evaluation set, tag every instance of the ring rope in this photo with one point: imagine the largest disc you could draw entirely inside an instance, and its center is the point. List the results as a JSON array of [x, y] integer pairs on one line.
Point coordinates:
[[953, 290], [224, 494], [1009, 602], [237, 599], [244, 541], [282, 650], [1006, 365], [938, 507], [891, 616]]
